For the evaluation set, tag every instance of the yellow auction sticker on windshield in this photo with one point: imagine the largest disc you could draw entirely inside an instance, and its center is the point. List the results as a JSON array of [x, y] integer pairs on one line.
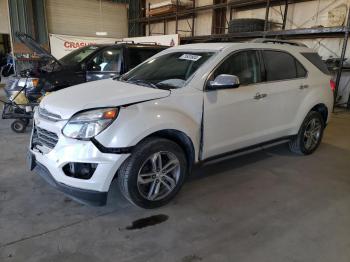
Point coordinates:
[[190, 57]]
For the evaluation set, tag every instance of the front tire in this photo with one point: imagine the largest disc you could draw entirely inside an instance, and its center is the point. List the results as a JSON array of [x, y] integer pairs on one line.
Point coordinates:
[[309, 136], [154, 173]]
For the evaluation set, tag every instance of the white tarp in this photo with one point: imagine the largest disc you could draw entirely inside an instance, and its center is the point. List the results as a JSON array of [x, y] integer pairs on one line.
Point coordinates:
[[62, 45], [168, 40]]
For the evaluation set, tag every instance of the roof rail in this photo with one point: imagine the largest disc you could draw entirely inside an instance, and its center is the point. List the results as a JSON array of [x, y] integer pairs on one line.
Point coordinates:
[[124, 42], [277, 41], [148, 43], [135, 43]]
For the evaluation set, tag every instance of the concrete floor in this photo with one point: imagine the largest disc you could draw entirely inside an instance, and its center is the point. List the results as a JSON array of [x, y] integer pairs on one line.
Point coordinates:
[[267, 206]]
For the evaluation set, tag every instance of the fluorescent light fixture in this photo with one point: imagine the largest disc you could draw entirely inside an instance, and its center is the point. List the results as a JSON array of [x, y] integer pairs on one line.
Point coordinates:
[[101, 33]]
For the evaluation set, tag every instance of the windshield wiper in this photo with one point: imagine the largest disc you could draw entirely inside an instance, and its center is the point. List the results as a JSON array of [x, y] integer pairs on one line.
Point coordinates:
[[142, 82], [166, 86]]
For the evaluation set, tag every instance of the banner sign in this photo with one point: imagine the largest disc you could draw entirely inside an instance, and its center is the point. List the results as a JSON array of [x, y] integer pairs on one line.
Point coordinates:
[[168, 40], [62, 45]]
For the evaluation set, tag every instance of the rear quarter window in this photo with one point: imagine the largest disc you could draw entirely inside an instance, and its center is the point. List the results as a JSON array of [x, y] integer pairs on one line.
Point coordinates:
[[316, 60]]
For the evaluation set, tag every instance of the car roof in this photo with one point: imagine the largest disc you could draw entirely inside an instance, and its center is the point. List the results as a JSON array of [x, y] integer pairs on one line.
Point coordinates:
[[205, 46], [241, 45], [130, 45]]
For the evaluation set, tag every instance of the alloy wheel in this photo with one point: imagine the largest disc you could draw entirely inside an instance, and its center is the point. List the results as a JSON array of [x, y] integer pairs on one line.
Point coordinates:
[[158, 175], [312, 133]]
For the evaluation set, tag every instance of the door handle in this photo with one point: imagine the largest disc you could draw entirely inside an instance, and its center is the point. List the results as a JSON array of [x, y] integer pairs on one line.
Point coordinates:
[[303, 86], [259, 96]]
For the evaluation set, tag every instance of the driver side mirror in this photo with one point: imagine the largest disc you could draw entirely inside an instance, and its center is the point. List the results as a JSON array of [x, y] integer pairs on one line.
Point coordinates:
[[224, 81]]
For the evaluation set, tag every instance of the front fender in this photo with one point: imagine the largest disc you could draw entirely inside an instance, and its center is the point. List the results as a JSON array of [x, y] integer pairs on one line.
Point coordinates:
[[138, 121]]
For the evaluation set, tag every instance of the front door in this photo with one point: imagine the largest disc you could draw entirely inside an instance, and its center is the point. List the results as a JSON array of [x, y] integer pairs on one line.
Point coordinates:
[[105, 64], [234, 118]]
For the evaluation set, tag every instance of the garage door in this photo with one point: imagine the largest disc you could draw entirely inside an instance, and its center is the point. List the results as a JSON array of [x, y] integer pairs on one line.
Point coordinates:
[[82, 17], [4, 19]]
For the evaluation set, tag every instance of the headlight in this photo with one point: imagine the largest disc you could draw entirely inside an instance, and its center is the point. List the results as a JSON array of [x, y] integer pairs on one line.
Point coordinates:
[[90, 123], [31, 82]]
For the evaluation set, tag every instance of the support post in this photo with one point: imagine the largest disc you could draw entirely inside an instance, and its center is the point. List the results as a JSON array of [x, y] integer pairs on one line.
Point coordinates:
[[342, 56], [193, 17], [267, 15], [149, 22], [164, 27], [177, 19], [285, 14]]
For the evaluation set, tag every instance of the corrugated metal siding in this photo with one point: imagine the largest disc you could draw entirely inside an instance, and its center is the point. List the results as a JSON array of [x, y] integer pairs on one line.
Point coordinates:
[[135, 29], [39, 18], [20, 17], [82, 17]]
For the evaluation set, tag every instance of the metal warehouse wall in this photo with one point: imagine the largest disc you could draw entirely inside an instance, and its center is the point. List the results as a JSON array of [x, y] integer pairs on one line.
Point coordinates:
[[202, 25], [324, 13], [82, 18], [300, 15], [4, 19]]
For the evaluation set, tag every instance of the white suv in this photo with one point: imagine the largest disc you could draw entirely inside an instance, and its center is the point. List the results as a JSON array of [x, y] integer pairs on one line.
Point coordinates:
[[185, 105]]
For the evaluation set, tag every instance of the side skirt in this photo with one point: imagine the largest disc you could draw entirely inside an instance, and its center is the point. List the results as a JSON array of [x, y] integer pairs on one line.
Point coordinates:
[[246, 150]]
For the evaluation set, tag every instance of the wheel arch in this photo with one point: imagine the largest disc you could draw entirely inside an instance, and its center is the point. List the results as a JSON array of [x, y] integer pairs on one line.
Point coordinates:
[[318, 106], [179, 138], [323, 110]]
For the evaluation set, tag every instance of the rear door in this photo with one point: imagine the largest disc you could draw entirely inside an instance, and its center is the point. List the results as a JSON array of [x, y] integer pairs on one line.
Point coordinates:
[[105, 64], [281, 93]]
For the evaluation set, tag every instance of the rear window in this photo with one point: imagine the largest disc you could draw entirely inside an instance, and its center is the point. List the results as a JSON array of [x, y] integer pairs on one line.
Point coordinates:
[[316, 60], [137, 55], [280, 65]]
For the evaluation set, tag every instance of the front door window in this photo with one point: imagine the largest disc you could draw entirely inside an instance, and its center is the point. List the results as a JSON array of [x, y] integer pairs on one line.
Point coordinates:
[[105, 64]]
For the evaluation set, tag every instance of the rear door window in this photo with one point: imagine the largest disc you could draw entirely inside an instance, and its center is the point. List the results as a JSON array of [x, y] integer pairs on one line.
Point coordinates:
[[316, 60], [279, 65]]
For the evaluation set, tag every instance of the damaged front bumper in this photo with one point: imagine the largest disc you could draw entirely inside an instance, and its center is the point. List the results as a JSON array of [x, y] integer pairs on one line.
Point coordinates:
[[84, 196]]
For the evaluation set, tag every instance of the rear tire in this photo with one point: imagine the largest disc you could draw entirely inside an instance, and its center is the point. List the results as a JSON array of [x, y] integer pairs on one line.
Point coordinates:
[[18, 126], [309, 136], [154, 173]]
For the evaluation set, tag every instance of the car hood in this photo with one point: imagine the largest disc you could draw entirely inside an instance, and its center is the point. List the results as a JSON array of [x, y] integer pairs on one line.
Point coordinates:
[[102, 93], [28, 41]]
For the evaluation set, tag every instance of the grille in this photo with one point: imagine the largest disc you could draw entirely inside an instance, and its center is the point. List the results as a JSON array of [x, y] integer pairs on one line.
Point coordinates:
[[48, 115], [44, 138]]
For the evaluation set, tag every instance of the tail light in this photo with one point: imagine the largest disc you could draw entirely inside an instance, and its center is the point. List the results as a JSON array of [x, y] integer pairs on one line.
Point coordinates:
[[332, 84]]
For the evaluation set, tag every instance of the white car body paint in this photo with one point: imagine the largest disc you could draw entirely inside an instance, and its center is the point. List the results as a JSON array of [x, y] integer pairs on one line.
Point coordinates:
[[232, 118], [69, 101]]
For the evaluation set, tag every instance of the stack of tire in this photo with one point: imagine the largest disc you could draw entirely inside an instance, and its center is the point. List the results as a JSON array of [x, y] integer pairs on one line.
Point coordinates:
[[246, 25]]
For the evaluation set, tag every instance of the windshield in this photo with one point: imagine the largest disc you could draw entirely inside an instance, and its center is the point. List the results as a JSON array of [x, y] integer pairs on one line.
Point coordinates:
[[168, 71], [78, 55]]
